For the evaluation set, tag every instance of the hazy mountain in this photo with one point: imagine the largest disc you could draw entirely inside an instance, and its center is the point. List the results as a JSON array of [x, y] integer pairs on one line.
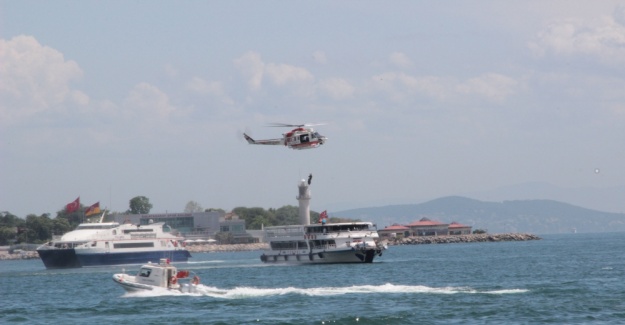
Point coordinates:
[[610, 199], [534, 216]]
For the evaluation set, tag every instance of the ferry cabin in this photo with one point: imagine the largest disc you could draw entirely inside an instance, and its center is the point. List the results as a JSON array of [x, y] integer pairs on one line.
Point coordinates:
[[299, 239]]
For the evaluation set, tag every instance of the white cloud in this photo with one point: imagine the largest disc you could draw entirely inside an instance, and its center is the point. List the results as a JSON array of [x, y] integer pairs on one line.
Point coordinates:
[[401, 87], [203, 87], [320, 57], [35, 78], [146, 102], [251, 66], [284, 74], [604, 40], [213, 89], [400, 60], [336, 88], [491, 86]]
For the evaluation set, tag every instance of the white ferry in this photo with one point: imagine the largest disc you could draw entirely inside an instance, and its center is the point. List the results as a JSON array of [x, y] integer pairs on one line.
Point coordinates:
[[356, 242], [111, 243], [353, 242], [161, 275]]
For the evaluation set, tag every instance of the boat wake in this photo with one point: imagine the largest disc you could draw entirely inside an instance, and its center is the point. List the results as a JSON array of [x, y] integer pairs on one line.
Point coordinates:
[[252, 292]]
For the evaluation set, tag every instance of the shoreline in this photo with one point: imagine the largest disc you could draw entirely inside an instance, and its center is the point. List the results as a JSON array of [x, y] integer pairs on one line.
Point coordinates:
[[424, 240]]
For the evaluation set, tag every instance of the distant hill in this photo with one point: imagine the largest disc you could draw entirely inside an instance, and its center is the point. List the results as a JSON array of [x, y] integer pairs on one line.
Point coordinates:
[[533, 216]]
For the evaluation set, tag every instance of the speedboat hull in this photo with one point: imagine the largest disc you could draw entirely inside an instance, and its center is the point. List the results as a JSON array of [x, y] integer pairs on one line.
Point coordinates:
[[129, 285]]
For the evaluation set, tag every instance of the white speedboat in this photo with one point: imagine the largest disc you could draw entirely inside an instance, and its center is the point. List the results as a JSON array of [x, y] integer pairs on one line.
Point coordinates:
[[161, 275], [111, 243], [354, 242]]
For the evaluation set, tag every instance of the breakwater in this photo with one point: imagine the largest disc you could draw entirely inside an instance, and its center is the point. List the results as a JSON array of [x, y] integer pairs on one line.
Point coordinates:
[[473, 238], [25, 255]]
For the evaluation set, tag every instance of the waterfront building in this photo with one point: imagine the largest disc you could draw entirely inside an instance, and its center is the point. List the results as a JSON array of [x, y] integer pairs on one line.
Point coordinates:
[[424, 227], [394, 231], [459, 229]]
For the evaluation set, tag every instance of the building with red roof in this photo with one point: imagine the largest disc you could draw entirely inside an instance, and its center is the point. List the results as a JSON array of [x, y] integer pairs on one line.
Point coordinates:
[[395, 230], [459, 229], [427, 227]]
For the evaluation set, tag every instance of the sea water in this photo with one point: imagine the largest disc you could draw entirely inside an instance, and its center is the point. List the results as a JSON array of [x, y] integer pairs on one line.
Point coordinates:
[[561, 279]]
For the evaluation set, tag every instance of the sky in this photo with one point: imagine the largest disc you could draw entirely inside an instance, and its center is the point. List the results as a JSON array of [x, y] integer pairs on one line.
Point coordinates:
[[109, 100]]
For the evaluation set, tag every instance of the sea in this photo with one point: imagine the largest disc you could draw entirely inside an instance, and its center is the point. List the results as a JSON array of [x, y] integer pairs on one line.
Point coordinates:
[[560, 279]]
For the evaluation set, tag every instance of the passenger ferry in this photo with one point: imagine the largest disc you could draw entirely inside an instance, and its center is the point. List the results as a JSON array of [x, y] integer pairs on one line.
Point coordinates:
[[111, 243], [349, 242], [354, 242]]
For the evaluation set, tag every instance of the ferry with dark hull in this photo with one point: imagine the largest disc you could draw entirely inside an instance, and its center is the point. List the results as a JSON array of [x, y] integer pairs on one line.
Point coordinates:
[[111, 243], [349, 242], [356, 242]]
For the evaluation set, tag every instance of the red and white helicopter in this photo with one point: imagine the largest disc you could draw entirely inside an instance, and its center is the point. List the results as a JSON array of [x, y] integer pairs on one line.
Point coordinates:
[[301, 137]]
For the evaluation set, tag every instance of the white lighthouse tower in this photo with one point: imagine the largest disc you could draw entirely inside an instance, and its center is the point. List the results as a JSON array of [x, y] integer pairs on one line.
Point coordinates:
[[304, 201]]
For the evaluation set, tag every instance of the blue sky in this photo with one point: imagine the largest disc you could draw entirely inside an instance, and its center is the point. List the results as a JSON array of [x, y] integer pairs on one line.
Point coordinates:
[[422, 99]]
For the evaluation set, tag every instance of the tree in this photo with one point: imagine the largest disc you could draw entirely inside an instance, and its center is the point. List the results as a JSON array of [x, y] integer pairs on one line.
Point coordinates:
[[140, 205], [38, 229], [192, 206], [287, 215], [255, 217], [73, 218], [224, 237], [60, 226]]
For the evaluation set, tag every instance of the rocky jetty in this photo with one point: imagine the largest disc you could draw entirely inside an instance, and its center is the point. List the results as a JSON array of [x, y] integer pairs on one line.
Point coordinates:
[[473, 238], [25, 255]]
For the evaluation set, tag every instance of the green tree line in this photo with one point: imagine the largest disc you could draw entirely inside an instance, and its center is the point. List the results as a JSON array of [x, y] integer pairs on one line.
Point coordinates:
[[40, 229]]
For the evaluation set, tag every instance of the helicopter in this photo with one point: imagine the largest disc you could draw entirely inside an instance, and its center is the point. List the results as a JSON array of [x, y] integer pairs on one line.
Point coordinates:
[[301, 137]]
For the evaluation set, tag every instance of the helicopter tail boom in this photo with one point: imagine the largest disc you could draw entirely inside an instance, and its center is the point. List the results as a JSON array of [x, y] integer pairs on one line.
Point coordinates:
[[272, 142]]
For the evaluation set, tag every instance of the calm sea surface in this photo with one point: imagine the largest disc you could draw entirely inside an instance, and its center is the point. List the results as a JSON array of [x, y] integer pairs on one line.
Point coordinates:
[[561, 279]]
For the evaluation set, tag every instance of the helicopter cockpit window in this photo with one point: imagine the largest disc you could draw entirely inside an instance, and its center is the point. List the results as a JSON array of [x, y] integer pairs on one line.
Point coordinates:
[[316, 135]]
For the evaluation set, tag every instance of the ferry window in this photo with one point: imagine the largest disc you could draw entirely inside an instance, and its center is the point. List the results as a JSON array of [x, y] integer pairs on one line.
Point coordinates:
[[302, 245], [283, 245], [134, 245], [145, 272]]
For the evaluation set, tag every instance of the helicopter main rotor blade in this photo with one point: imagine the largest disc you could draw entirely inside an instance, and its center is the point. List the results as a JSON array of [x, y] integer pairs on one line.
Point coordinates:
[[293, 125]]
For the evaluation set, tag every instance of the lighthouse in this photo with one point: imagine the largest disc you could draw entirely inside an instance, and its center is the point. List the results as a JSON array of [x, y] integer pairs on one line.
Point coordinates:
[[304, 201]]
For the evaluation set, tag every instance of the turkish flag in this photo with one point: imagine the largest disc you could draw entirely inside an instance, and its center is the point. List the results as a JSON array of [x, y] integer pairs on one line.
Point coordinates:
[[71, 207], [323, 215]]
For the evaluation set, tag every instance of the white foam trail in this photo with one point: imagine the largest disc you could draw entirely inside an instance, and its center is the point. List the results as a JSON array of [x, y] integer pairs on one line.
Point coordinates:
[[252, 292]]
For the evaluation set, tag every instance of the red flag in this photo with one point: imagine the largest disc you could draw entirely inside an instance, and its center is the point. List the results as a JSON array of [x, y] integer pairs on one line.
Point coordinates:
[[94, 209], [71, 207], [323, 215]]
